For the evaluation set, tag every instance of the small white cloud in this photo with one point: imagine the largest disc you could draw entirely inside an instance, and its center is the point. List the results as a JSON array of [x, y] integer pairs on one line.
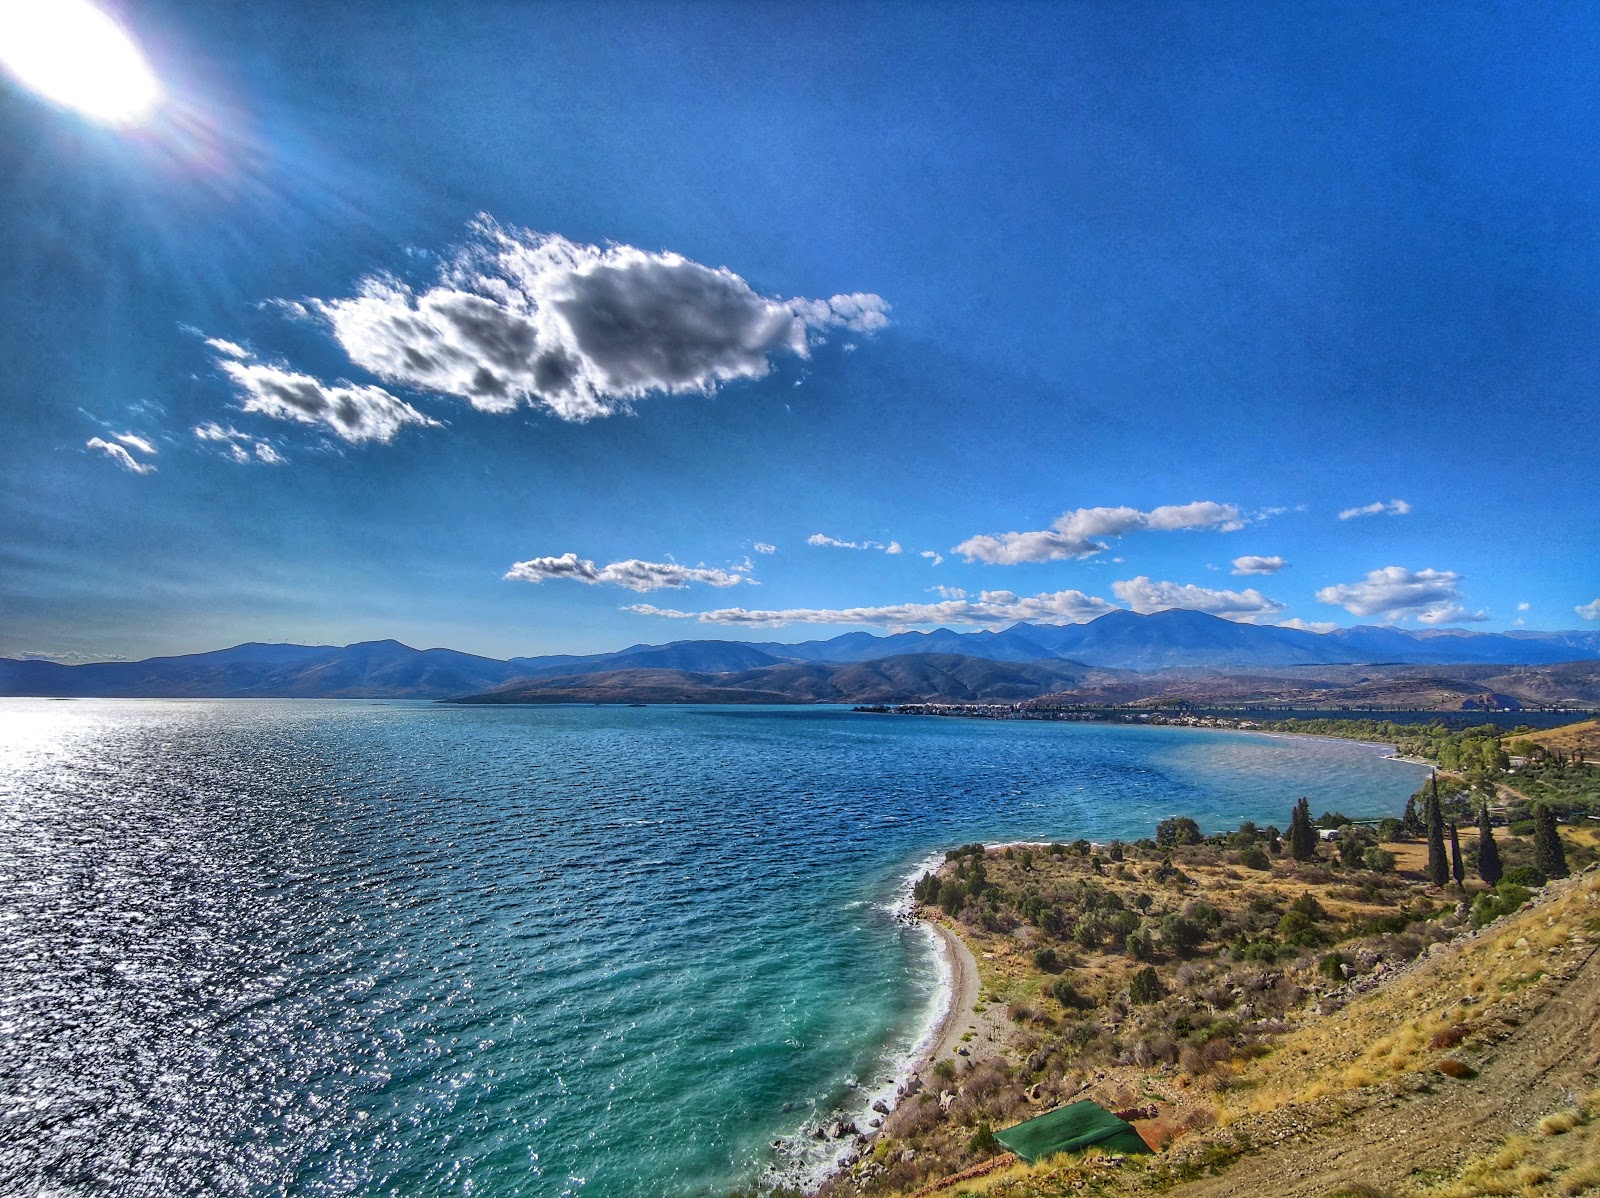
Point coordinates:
[[764, 547], [1073, 535], [1250, 564], [353, 412], [990, 609], [241, 447], [1395, 507], [945, 592], [936, 558], [633, 574], [1522, 607], [1308, 625], [229, 349], [1393, 592], [821, 539], [70, 657], [1145, 596], [1589, 611], [135, 441], [120, 456], [1451, 613]]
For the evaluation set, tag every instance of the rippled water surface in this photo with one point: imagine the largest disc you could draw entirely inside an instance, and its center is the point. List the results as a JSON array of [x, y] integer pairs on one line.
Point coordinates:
[[317, 948]]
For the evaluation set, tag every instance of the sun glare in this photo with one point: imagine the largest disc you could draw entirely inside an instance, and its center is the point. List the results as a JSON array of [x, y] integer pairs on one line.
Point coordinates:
[[73, 54]]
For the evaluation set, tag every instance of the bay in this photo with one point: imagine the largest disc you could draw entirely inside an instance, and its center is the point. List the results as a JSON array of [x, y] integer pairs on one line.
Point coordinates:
[[327, 948]]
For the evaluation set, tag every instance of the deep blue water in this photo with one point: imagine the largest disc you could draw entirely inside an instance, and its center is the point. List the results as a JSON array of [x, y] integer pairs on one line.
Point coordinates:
[[318, 948]]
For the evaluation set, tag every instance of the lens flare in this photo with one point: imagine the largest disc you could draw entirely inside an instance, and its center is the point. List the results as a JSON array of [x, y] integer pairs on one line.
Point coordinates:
[[74, 55]]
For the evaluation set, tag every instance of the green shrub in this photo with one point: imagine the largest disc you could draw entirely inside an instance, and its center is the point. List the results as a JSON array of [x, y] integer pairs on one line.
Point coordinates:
[[1525, 875], [1065, 993], [1255, 857], [983, 1142], [1046, 959], [1146, 987], [1332, 966], [1379, 861]]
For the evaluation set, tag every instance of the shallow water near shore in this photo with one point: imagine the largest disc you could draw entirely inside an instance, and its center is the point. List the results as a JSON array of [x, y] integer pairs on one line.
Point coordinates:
[[318, 948]]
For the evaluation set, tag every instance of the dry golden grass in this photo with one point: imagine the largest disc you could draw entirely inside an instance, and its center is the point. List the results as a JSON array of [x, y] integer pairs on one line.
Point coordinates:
[[1393, 1030], [1564, 1160], [1584, 737]]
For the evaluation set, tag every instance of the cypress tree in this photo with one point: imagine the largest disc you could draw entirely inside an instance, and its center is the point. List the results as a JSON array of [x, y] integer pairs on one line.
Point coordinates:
[[1438, 863], [1549, 858], [1410, 822], [1457, 870], [1302, 835], [1489, 868]]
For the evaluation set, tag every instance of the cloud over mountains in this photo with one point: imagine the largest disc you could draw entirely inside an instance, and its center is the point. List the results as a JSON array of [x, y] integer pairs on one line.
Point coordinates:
[[1074, 534], [634, 574], [990, 608], [1393, 592]]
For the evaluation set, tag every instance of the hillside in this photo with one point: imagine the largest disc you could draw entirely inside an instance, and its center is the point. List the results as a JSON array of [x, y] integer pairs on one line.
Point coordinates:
[[918, 677], [1305, 1029], [1119, 652]]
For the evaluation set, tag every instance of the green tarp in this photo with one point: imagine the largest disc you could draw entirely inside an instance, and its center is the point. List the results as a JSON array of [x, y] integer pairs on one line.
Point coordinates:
[[1071, 1129]]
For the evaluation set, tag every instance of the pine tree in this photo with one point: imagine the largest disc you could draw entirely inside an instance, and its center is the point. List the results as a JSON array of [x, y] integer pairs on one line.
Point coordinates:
[[1302, 835], [1438, 863], [1457, 869], [1489, 868], [1549, 858]]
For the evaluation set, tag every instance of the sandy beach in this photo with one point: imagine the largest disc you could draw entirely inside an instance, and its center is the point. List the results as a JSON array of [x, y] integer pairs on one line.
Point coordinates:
[[961, 1026]]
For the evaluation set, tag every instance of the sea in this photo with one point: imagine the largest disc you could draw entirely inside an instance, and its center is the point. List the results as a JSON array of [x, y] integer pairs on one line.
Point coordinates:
[[261, 947]]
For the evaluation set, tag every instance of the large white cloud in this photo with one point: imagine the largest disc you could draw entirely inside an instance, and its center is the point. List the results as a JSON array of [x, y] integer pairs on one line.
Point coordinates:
[[634, 574], [1395, 507], [352, 411], [120, 456], [990, 608], [1393, 592], [1074, 534], [1251, 564], [1145, 596], [1589, 611], [518, 317]]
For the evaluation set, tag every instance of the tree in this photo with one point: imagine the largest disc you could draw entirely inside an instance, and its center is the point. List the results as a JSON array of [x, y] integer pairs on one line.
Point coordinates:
[[1302, 836], [1489, 868], [1548, 856], [1178, 830], [1411, 822], [1457, 870], [1438, 863], [1146, 986]]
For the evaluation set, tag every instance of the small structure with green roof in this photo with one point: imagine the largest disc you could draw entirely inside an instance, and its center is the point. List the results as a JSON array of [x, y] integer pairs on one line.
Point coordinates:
[[1072, 1128]]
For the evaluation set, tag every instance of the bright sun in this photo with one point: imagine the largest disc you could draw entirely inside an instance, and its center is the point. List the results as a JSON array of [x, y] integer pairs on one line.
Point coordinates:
[[72, 53]]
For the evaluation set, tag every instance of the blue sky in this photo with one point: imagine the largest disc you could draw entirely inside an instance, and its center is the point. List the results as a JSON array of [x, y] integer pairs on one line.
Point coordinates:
[[546, 328]]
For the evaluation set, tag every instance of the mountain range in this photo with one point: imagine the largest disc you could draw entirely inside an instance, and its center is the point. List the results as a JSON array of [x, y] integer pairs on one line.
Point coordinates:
[[1023, 661]]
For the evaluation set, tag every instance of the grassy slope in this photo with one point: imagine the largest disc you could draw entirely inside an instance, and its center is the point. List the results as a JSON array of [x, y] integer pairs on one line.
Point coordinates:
[[1326, 1078]]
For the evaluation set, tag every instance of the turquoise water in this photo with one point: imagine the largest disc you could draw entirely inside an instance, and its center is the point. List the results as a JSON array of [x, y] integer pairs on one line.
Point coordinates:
[[318, 948]]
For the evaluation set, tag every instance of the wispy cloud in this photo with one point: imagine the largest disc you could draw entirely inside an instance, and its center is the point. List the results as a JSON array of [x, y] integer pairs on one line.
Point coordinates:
[[1308, 625], [1145, 596], [1394, 593], [990, 609], [1251, 564], [764, 547], [135, 441], [353, 412], [634, 574], [521, 318], [1395, 507], [1589, 611], [229, 349], [120, 455], [1074, 534], [936, 558], [241, 447], [823, 539]]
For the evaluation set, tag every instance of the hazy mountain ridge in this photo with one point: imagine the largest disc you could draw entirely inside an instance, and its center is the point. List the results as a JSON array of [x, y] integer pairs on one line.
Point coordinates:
[[1118, 641]]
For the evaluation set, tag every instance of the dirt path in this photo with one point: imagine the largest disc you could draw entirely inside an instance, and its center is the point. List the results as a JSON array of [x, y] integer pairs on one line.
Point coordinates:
[[1542, 1065]]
